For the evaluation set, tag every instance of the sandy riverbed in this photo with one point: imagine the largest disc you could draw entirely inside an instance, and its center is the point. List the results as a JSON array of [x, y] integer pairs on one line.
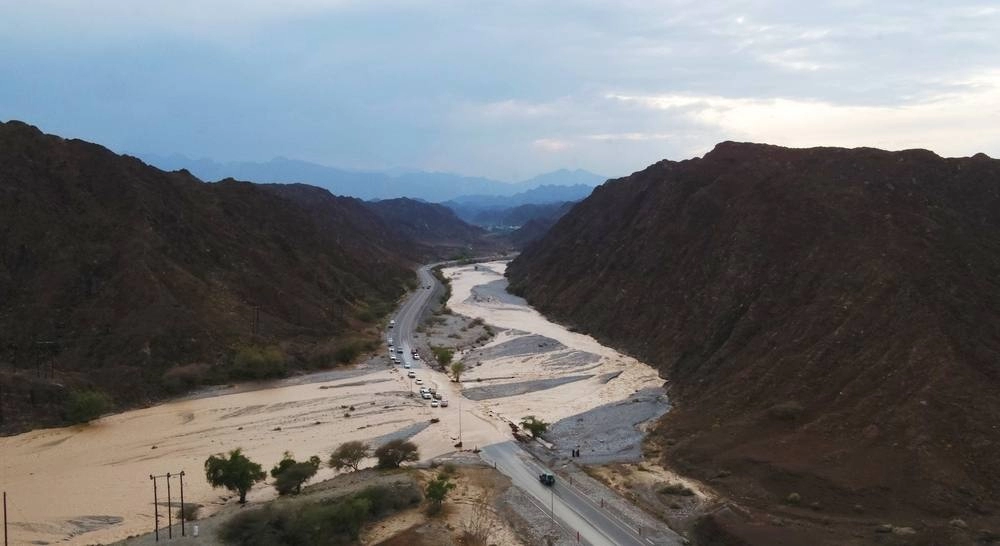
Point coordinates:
[[536, 367], [90, 484]]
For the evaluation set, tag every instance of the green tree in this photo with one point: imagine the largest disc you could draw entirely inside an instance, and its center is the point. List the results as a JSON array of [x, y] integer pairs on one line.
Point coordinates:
[[443, 354], [534, 425], [395, 452], [236, 472], [457, 369], [289, 474], [437, 490], [85, 406], [349, 455]]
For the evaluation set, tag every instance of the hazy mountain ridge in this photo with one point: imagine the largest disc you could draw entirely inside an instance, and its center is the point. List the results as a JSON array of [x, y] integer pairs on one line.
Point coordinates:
[[367, 185], [434, 226], [126, 273], [829, 319]]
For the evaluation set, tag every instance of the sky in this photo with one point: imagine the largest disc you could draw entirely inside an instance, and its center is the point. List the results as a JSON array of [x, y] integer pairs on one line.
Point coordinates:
[[502, 89]]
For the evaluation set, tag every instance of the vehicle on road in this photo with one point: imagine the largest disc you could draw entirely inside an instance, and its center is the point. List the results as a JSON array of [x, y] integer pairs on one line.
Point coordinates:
[[420, 381], [392, 323], [411, 373], [406, 365], [547, 478], [444, 403], [399, 350], [416, 356], [434, 403]]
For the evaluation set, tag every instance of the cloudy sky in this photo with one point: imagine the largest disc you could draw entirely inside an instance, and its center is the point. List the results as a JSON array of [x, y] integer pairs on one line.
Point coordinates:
[[502, 89]]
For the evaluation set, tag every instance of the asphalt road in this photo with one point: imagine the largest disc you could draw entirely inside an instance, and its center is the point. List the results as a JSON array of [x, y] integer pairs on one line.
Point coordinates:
[[408, 318], [569, 508]]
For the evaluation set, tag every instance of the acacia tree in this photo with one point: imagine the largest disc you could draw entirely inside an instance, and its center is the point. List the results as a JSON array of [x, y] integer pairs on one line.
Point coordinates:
[[236, 472], [457, 369], [349, 455], [289, 474], [534, 425], [394, 452]]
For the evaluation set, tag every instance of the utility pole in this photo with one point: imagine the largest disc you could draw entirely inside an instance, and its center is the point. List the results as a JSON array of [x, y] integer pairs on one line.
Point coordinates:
[[4, 518], [170, 522], [156, 509], [182, 503]]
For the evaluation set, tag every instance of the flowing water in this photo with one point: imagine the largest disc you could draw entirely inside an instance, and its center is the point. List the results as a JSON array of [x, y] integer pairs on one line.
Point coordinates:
[[91, 483]]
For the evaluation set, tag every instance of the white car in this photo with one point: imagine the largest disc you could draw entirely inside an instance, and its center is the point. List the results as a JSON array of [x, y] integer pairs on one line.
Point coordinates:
[[411, 374], [406, 365], [426, 396], [420, 381], [416, 356], [444, 403], [434, 403]]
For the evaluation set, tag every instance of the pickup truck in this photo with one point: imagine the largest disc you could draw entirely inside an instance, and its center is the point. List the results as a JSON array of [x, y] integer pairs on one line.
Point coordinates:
[[546, 478]]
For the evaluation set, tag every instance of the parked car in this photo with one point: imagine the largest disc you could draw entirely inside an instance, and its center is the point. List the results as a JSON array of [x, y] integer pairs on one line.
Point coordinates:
[[416, 356], [434, 403], [444, 403], [436, 395], [425, 395], [411, 373], [420, 381]]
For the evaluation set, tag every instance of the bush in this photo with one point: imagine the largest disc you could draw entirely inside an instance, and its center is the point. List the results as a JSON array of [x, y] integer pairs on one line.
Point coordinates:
[[534, 425], [437, 490], [181, 378], [330, 522], [85, 406], [252, 362], [676, 489], [443, 354]]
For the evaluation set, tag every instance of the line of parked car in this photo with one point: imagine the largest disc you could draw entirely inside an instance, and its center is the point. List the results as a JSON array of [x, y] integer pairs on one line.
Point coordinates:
[[427, 393]]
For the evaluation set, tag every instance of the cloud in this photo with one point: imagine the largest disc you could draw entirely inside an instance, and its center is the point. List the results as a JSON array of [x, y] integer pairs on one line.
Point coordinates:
[[959, 122], [551, 145]]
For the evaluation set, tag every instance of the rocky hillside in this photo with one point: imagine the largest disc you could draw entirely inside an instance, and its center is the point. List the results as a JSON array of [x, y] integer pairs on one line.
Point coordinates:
[[829, 320], [117, 276], [434, 226]]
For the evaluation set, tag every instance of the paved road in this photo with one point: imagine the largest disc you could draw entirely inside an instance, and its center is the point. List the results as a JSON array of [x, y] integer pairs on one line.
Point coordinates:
[[408, 318], [570, 509]]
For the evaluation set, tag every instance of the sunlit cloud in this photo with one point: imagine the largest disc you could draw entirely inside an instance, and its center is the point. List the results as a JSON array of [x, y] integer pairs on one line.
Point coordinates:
[[952, 123]]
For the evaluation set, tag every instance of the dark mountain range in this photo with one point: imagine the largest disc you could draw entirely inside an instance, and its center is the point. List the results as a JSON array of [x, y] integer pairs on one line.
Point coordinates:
[[434, 226], [429, 186], [829, 320], [119, 276]]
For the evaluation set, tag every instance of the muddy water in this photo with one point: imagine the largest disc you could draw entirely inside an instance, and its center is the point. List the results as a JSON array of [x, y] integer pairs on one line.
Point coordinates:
[[90, 484], [57, 479]]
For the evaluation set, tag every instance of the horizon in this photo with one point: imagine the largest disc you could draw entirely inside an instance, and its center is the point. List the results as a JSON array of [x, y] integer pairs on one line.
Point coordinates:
[[501, 91]]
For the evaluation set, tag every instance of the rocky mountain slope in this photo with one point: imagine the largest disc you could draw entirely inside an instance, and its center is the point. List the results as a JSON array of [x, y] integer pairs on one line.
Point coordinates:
[[434, 226], [829, 320], [118, 276]]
